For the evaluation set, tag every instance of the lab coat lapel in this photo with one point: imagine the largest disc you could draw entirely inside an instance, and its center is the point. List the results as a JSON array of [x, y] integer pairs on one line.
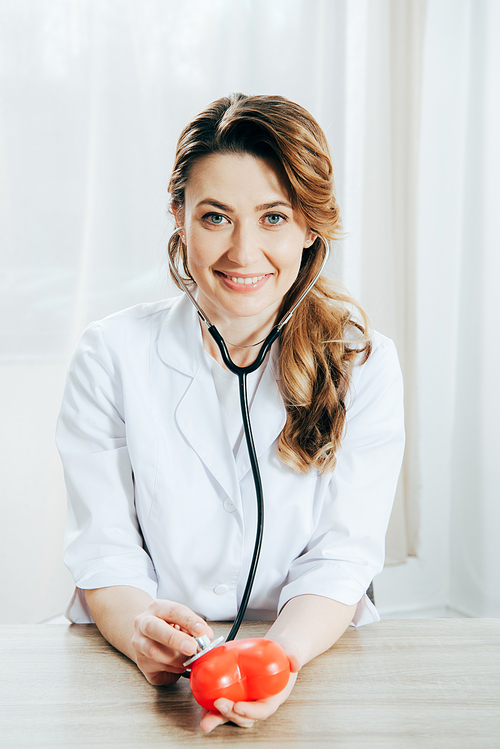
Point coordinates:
[[198, 413], [199, 418], [180, 344], [267, 414]]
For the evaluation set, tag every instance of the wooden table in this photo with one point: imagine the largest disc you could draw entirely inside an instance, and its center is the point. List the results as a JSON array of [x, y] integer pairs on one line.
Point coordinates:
[[396, 684]]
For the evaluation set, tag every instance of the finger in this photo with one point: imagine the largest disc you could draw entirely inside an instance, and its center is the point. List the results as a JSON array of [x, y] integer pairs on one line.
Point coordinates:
[[226, 708], [162, 678], [177, 613], [157, 654], [259, 710], [159, 632], [223, 706], [262, 709], [211, 720]]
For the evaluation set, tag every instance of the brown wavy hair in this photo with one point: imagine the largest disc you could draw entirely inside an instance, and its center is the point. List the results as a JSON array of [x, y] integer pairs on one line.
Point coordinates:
[[319, 345]]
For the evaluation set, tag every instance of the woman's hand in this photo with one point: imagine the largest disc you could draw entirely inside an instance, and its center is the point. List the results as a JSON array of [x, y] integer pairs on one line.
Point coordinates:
[[306, 626], [163, 640], [244, 714]]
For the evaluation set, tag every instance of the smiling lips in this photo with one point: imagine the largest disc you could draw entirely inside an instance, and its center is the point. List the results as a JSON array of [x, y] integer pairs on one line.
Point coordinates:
[[241, 279], [245, 283]]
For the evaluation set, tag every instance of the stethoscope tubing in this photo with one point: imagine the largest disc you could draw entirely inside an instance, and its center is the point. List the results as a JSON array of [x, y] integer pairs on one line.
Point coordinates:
[[252, 453]]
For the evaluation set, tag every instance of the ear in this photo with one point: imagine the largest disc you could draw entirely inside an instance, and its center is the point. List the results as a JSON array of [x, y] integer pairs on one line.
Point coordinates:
[[178, 214], [310, 239]]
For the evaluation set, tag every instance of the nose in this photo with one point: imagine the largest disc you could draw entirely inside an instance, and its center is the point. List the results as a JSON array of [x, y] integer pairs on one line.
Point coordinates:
[[244, 249]]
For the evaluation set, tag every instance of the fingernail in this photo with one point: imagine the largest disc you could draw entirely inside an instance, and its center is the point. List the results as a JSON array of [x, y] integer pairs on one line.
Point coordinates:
[[187, 648], [198, 627], [239, 711], [224, 709]]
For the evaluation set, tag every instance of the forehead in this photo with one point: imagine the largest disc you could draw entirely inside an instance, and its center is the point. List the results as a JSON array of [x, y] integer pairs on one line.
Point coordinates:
[[240, 175]]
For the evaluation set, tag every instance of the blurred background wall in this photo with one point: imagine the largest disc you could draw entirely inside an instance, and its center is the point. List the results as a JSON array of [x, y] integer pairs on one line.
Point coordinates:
[[93, 95]]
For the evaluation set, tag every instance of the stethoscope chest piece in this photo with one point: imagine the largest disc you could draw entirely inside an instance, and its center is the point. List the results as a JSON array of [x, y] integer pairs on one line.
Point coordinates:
[[205, 645]]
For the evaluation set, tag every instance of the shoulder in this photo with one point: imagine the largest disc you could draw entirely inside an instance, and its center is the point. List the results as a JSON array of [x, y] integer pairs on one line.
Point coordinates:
[[124, 333], [136, 320], [138, 315], [380, 373], [382, 347], [382, 352]]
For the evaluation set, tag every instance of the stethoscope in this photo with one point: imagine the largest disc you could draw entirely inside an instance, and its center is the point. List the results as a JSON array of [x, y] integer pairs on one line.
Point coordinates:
[[242, 372]]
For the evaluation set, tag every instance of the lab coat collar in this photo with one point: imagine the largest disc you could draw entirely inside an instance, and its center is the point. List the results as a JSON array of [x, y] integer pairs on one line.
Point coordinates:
[[180, 343], [198, 414]]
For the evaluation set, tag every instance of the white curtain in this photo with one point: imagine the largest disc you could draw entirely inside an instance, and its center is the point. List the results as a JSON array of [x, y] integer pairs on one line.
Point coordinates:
[[456, 318], [93, 95]]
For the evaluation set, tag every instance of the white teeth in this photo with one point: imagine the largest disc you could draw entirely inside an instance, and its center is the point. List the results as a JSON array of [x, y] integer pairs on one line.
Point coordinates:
[[247, 281]]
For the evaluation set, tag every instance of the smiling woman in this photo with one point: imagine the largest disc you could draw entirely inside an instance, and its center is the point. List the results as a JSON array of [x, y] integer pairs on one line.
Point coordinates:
[[245, 257], [150, 431]]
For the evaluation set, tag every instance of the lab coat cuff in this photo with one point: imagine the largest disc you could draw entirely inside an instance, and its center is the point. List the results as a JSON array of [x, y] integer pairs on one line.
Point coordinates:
[[77, 610], [337, 585]]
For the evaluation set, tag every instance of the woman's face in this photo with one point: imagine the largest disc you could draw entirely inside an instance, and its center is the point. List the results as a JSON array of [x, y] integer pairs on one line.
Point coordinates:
[[244, 240]]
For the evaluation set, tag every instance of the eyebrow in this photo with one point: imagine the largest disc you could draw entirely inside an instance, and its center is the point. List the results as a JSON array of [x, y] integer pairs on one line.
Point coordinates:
[[267, 206], [229, 209]]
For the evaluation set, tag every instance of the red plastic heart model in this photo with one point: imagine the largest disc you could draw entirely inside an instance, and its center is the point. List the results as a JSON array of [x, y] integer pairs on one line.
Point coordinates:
[[240, 671]]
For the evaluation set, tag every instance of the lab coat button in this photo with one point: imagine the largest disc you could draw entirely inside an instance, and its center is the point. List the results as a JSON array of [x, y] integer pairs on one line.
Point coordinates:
[[229, 506], [221, 590]]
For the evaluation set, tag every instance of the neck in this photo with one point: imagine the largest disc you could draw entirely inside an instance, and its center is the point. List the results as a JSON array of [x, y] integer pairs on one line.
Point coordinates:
[[242, 335], [243, 346]]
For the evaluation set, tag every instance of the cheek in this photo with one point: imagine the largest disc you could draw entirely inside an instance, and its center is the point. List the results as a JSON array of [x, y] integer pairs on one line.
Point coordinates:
[[290, 263], [203, 248], [199, 256]]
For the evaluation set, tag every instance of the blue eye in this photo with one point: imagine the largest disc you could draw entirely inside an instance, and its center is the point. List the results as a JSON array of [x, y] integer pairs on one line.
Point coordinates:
[[216, 219], [275, 218]]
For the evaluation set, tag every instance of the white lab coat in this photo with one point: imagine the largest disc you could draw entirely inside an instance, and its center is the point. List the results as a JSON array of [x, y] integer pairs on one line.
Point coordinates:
[[158, 501]]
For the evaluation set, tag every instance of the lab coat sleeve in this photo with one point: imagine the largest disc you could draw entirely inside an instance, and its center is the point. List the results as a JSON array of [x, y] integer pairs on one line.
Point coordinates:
[[347, 548], [103, 542]]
